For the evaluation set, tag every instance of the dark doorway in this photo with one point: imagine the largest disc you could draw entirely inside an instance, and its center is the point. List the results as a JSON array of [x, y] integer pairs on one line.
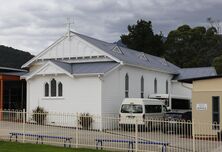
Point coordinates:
[[180, 104], [14, 95]]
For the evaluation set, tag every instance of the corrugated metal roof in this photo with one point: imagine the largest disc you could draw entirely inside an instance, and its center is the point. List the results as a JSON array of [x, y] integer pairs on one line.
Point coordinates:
[[14, 73], [66, 66], [9, 69], [200, 78], [130, 56], [95, 67], [87, 68], [190, 73]]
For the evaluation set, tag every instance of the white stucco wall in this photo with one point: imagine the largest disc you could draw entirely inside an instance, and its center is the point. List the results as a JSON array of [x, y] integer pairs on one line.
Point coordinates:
[[113, 86]]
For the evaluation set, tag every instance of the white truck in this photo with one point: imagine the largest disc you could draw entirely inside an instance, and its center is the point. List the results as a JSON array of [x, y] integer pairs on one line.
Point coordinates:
[[174, 103]]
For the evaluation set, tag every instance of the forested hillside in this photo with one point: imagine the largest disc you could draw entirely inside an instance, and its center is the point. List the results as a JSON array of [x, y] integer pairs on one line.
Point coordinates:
[[13, 58]]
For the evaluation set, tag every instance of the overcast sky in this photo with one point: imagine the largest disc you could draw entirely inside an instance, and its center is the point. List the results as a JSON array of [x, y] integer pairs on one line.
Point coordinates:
[[33, 25]]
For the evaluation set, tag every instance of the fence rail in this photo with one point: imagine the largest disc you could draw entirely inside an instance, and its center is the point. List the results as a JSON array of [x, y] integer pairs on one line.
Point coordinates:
[[106, 132]]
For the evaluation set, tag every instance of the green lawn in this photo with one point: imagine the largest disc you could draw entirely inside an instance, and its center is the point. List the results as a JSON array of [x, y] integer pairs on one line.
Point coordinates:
[[19, 147]]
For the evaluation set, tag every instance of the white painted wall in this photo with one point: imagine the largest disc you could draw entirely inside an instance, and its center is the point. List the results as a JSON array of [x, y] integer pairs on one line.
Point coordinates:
[[181, 89], [113, 86], [80, 95], [70, 47]]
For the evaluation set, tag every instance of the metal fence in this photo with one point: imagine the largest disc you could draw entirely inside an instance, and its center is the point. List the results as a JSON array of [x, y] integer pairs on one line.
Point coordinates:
[[105, 132]]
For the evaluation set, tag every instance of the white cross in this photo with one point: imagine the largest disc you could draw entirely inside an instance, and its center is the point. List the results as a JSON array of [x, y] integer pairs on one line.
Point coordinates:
[[69, 23]]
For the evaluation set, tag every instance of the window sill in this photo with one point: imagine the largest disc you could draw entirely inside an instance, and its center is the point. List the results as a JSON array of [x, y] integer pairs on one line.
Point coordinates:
[[53, 98]]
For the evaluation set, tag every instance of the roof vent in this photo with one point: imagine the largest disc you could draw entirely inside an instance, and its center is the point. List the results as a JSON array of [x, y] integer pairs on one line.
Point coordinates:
[[117, 50], [142, 56], [163, 61]]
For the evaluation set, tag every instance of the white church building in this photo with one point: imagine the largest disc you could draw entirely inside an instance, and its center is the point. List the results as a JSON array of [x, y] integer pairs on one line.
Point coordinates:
[[78, 73]]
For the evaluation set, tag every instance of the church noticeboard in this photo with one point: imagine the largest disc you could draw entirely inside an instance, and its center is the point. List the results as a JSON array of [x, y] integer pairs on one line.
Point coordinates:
[[201, 106]]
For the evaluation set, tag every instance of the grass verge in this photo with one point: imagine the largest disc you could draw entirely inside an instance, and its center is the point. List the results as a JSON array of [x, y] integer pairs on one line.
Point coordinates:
[[20, 147]]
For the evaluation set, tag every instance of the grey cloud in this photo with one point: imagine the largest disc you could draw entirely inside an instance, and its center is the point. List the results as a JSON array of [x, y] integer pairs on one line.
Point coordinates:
[[33, 25]]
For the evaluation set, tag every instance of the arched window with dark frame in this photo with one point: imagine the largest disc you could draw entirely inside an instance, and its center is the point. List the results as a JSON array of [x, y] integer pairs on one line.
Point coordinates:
[[167, 87], [126, 86], [46, 89], [142, 87], [53, 88], [155, 85], [60, 89]]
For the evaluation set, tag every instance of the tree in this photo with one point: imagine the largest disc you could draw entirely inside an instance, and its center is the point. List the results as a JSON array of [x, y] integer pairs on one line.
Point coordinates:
[[193, 47], [13, 58], [142, 38], [214, 23], [217, 63]]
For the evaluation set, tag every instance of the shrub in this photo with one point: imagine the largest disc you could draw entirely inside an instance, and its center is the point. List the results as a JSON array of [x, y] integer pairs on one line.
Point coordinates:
[[39, 115], [85, 120]]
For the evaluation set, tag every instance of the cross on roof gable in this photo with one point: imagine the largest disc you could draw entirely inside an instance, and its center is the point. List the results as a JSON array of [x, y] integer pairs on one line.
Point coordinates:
[[73, 47]]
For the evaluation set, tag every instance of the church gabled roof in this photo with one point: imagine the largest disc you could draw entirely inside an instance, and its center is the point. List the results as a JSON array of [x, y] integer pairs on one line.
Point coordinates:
[[126, 56], [129, 56]]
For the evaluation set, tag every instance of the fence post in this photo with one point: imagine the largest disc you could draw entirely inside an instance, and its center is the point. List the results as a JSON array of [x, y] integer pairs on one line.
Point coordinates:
[[23, 125], [77, 122], [136, 135], [193, 135]]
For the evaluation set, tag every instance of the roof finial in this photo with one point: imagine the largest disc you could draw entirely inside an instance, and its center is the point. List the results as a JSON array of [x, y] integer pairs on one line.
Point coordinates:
[[69, 23]]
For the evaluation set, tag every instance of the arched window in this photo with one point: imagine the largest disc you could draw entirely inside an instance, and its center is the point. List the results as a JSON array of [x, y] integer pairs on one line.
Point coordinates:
[[126, 86], [167, 87], [53, 87], [142, 87], [60, 89], [46, 89], [155, 85]]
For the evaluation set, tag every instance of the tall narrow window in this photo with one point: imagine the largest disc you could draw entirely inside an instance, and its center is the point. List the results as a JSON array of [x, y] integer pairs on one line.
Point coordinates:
[[126, 86], [216, 112], [53, 87], [46, 89], [60, 89], [142, 87], [167, 87], [155, 85]]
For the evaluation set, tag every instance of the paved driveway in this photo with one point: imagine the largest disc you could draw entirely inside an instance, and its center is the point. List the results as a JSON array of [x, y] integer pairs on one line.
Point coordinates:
[[86, 138]]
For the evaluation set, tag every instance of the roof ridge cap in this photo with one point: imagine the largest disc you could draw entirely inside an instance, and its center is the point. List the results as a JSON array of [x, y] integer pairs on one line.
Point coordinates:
[[91, 37], [198, 67]]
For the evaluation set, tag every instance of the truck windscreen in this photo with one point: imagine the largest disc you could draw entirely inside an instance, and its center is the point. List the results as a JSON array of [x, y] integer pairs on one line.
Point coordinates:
[[131, 108]]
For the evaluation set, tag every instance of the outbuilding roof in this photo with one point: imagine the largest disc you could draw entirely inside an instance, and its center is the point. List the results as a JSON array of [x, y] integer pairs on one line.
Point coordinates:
[[191, 73], [12, 71]]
